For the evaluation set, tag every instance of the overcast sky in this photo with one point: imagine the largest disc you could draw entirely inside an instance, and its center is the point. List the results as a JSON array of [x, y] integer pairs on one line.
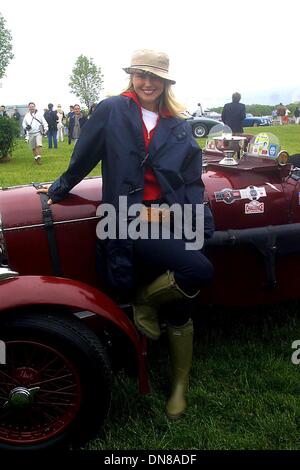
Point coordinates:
[[215, 47]]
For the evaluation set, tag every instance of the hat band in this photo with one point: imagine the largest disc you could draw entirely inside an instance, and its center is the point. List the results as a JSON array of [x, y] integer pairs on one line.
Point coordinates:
[[147, 65]]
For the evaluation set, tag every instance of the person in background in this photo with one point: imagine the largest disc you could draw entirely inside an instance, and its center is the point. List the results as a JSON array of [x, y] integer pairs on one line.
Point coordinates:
[[35, 126], [76, 122], [51, 118], [281, 113], [297, 115], [17, 117], [60, 123], [285, 118], [274, 116], [3, 112], [92, 109], [234, 113], [149, 156], [199, 111], [69, 115]]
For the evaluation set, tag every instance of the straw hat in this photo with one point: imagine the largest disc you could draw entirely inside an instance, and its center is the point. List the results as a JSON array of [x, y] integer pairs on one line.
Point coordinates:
[[154, 62]]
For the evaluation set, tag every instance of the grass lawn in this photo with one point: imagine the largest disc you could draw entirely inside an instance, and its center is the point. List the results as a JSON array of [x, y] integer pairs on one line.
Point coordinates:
[[244, 390], [22, 169]]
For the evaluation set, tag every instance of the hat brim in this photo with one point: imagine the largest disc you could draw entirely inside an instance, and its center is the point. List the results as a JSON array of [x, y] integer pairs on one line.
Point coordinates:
[[145, 68]]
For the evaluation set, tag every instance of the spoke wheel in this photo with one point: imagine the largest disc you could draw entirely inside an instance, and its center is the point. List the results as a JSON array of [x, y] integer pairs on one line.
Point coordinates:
[[40, 393], [199, 130], [55, 387]]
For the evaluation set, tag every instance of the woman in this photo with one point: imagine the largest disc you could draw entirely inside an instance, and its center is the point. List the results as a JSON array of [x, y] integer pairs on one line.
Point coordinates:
[[148, 155], [60, 123]]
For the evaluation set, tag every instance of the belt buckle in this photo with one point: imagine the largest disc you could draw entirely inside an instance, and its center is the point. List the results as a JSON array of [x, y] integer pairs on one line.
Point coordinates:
[[155, 214]]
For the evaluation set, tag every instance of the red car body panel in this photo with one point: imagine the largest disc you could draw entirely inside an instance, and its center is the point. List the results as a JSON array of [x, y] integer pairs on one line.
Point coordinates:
[[240, 279], [276, 202], [240, 271], [75, 225], [43, 290], [28, 291]]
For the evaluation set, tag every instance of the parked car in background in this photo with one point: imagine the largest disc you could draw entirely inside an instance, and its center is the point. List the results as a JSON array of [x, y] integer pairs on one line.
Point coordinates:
[[201, 125], [255, 121], [269, 119], [213, 115]]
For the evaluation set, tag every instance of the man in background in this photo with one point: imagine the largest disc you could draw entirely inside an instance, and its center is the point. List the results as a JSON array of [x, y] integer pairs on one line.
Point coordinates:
[[3, 112], [199, 111], [51, 118], [281, 109], [35, 125], [76, 122], [234, 113], [69, 115], [17, 117]]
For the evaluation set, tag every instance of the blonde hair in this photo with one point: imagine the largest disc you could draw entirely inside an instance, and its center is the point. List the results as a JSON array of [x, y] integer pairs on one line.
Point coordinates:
[[167, 100]]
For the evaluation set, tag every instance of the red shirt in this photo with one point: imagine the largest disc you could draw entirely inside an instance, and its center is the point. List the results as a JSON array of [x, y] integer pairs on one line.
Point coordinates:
[[152, 190]]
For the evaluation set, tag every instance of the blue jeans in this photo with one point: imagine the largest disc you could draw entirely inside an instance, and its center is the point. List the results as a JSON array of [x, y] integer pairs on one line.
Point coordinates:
[[52, 134], [192, 270]]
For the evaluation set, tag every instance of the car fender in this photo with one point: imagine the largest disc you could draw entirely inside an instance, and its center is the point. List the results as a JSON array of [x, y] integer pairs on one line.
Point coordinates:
[[25, 291]]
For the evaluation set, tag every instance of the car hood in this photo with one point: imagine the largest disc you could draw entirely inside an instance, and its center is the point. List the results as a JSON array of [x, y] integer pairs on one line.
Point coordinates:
[[203, 119]]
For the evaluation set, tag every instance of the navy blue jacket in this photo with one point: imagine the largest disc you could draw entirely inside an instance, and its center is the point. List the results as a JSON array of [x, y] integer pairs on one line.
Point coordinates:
[[233, 115], [114, 134]]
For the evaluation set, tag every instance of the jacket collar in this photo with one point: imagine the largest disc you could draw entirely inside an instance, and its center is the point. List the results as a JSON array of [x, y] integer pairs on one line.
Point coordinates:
[[131, 94], [163, 129]]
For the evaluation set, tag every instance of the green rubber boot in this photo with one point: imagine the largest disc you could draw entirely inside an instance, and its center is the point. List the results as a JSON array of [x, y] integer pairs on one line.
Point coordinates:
[[162, 290], [181, 353]]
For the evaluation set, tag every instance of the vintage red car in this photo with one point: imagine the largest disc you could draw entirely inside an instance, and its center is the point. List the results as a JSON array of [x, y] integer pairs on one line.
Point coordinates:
[[62, 337]]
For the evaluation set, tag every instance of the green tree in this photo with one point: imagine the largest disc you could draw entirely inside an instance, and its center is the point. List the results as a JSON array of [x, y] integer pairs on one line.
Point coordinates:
[[9, 132], [255, 109], [6, 54], [259, 109], [86, 80]]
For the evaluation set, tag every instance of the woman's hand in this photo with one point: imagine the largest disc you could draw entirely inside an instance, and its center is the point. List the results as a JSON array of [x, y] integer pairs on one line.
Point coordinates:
[[44, 189]]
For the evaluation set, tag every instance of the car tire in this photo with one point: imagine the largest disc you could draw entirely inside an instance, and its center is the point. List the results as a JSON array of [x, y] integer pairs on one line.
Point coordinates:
[[63, 367], [200, 130], [255, 124]]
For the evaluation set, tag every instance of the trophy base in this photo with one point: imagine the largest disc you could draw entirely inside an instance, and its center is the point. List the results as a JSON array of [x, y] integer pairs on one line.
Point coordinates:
[[228, 161]]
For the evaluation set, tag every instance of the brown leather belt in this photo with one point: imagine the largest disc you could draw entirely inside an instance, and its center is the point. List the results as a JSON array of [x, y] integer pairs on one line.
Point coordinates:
[[155, 214]]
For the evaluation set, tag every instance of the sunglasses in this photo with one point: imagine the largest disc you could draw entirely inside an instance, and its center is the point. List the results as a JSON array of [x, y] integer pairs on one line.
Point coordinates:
[[143, 74]]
